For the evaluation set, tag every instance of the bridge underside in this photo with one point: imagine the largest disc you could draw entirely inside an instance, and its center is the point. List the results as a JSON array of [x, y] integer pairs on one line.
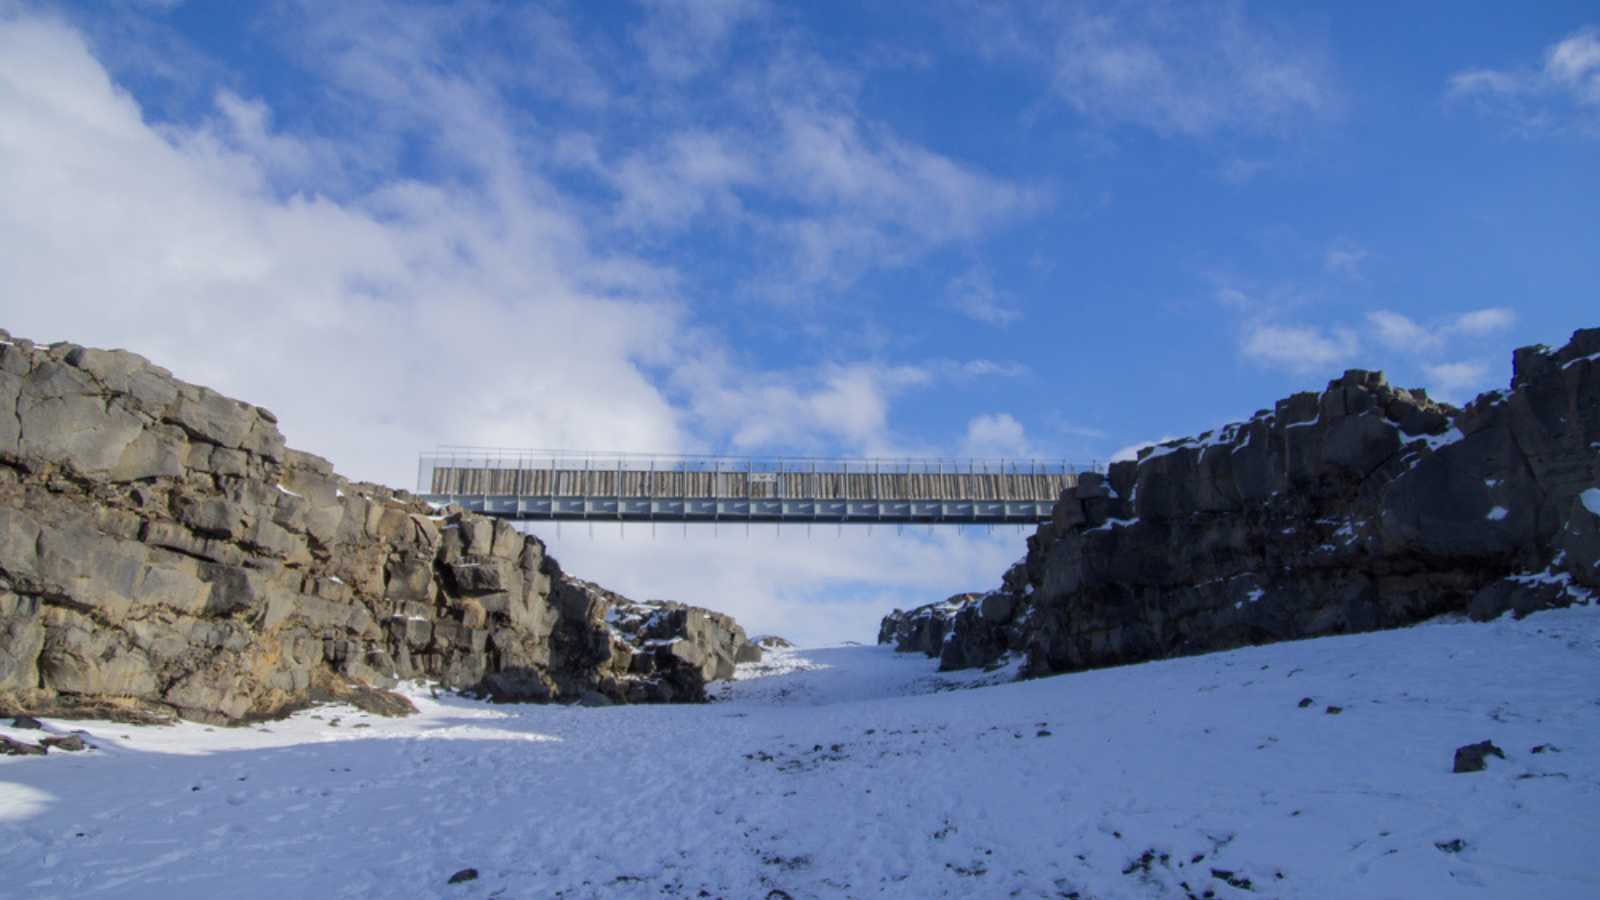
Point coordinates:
[[537, 485], [657, 509]]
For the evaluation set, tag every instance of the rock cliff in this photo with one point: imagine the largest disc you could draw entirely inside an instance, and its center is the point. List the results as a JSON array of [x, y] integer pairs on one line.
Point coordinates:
[[163, 553], [1361, 507]]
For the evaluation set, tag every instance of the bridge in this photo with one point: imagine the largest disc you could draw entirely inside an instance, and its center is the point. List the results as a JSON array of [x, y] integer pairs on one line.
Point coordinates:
[[621, 487]]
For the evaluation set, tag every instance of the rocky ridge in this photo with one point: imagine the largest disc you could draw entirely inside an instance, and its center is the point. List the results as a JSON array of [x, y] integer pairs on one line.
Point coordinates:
[[163, 553], [1361, 507]]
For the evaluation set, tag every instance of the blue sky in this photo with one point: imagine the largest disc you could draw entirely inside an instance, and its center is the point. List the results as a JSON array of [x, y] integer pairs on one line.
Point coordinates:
[[737, 226]]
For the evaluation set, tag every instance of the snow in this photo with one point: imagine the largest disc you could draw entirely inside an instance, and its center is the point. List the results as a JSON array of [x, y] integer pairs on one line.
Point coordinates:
[[1574, 592], [1434, 441], [1215, 437], [285, 490], [1497, 513], [1591, 500], [860, 772], [1115, 523], [1582, 359]]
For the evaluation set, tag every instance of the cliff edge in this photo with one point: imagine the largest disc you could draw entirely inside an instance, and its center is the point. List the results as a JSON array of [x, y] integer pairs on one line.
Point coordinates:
[[163, 553], [1361, 507]]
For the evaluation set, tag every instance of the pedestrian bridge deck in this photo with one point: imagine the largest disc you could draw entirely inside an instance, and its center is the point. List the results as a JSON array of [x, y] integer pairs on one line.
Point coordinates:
[[625, 487]]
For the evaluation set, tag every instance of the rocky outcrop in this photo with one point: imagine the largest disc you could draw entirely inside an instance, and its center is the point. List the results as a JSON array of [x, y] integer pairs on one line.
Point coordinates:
[[923, 629], [1361, 507], [163, 553]]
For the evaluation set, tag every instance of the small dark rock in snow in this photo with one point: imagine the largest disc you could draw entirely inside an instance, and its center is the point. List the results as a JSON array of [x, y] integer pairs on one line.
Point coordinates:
[[70, 743], [9, 747], [1471, 757], [1455, 845], [1233, 880], [1545, 748], [1305, 702], [28, 722], [464, 875], [1334, 710], [1044, 733]]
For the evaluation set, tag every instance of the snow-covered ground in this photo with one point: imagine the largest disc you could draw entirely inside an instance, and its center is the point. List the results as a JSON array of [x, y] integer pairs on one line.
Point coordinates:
[[856, 772]]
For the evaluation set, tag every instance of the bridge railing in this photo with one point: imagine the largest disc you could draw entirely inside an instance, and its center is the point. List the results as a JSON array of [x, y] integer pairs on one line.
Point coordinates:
[[457, 471]]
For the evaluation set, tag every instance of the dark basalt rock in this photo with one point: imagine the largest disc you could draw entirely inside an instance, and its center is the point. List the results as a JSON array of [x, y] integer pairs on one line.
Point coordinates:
[[1361, 507], [70, 743], [1473, 757], [10, 747]]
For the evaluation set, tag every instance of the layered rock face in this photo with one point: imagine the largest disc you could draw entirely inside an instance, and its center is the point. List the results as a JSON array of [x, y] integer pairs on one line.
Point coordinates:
[[1362, 507], [162, 552]]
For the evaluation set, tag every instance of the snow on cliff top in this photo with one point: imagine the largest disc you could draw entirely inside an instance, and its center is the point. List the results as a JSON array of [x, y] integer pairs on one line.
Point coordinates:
[[858, 772]]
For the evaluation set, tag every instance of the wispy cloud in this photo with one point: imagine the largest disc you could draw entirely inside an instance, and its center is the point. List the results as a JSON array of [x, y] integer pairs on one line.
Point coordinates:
[[1484, 321], [996, 435], [990, 368], [1301, 349], [1176, 69], [1345, 258], [1455, 381], [1561, 93], [973, 294], [683, 38], [1400, 333]]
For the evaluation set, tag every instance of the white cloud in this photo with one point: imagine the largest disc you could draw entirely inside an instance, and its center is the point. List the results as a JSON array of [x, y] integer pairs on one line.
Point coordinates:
[[407, 317], [998, 436], [1299, 348], [1562, 91], [1397, 332], [1575, 63], [385, 315], [973, 294], [1456, 381], [1485, 321], [798, 412]]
